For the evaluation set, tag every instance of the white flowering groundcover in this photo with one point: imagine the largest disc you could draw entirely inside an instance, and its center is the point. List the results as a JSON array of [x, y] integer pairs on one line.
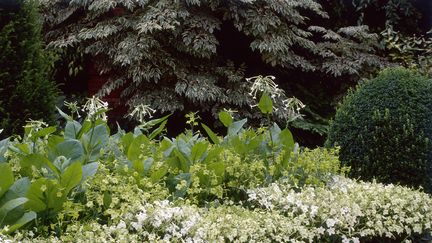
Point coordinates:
[[344, 211]]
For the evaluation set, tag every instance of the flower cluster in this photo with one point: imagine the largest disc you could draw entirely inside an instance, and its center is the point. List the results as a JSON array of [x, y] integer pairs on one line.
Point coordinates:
[[284, 108], [345, 211], [351, 209], [95, 109], [141, 111]]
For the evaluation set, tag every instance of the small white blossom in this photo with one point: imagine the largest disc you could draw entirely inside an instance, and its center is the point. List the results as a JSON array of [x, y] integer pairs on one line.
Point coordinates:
[[95, 108]]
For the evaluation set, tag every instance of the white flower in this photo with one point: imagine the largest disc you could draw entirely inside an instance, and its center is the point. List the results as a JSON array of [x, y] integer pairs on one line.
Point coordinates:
[[331, 231], [142, 216], [141, 111], [264, 85], [330, 223], [121, 225], [95, 108]]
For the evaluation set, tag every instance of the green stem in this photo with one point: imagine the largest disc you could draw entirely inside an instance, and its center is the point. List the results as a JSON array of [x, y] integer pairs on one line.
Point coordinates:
[[90, 150]]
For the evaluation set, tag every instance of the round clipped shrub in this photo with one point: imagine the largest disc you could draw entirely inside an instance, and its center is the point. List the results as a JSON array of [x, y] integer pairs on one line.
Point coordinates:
[[384, 129]]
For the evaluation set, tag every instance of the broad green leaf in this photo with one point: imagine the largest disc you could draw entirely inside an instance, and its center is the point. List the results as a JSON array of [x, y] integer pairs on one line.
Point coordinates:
[[184, 163], [126, 140], [275, 132], [89, 170], [134, 150], [35, 195], [198, 150], [138, 166], [71, 149], [238, 145], [23, 148], [213, 153], [86, 126], [183, 146], [55, 196], [158, 174], [213, 137], [44, 132], [235, 127], [173, 182], [39, 161], [18, 189], [53, 141], [225, 118], [72, 130], [71, 177], [107, 199], [6, 178], [9, 206], [147, 165], [265, 104], [99, 136], [26, 218], [4, 145], [286, 138], [218, 168]]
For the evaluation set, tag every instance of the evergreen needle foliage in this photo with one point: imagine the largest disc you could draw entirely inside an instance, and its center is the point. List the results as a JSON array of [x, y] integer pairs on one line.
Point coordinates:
[[26, 92]]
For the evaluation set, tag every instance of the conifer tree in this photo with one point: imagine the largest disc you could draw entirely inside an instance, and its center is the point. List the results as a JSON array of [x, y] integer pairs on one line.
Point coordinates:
[[26, 91]]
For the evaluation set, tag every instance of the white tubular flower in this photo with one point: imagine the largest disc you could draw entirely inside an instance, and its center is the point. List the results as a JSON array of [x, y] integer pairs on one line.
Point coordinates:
[[95, 108], [293, 106], [141, 111], [265, 85], [1, 130]]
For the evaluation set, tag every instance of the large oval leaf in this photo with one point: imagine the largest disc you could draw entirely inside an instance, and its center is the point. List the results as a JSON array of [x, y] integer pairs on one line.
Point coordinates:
[[6, 178]]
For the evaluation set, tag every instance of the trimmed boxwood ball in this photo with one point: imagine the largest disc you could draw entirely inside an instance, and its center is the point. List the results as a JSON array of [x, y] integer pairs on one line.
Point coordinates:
[[384, 129]]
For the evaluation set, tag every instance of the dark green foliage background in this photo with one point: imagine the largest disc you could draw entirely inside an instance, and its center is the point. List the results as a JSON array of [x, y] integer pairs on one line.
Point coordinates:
[[384, 129], [26, 92]]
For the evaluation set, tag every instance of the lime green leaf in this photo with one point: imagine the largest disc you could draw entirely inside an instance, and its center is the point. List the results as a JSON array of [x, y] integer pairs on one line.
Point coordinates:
[[158, 174], [265, 104], [126, 140], [71, 177], [134, 150], [225, 118], [35, 194], [37, 160], [286, 138], [198, 151], [45, 131], [218, 168], [6, 178], [213, 137]]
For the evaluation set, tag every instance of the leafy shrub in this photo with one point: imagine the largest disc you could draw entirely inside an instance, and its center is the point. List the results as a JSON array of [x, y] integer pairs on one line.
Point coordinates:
[[26, 91], [173, 56], [384, 129], [248, 185]]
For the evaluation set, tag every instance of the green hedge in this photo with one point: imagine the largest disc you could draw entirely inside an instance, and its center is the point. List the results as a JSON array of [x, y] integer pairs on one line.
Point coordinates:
[[384, 129]]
